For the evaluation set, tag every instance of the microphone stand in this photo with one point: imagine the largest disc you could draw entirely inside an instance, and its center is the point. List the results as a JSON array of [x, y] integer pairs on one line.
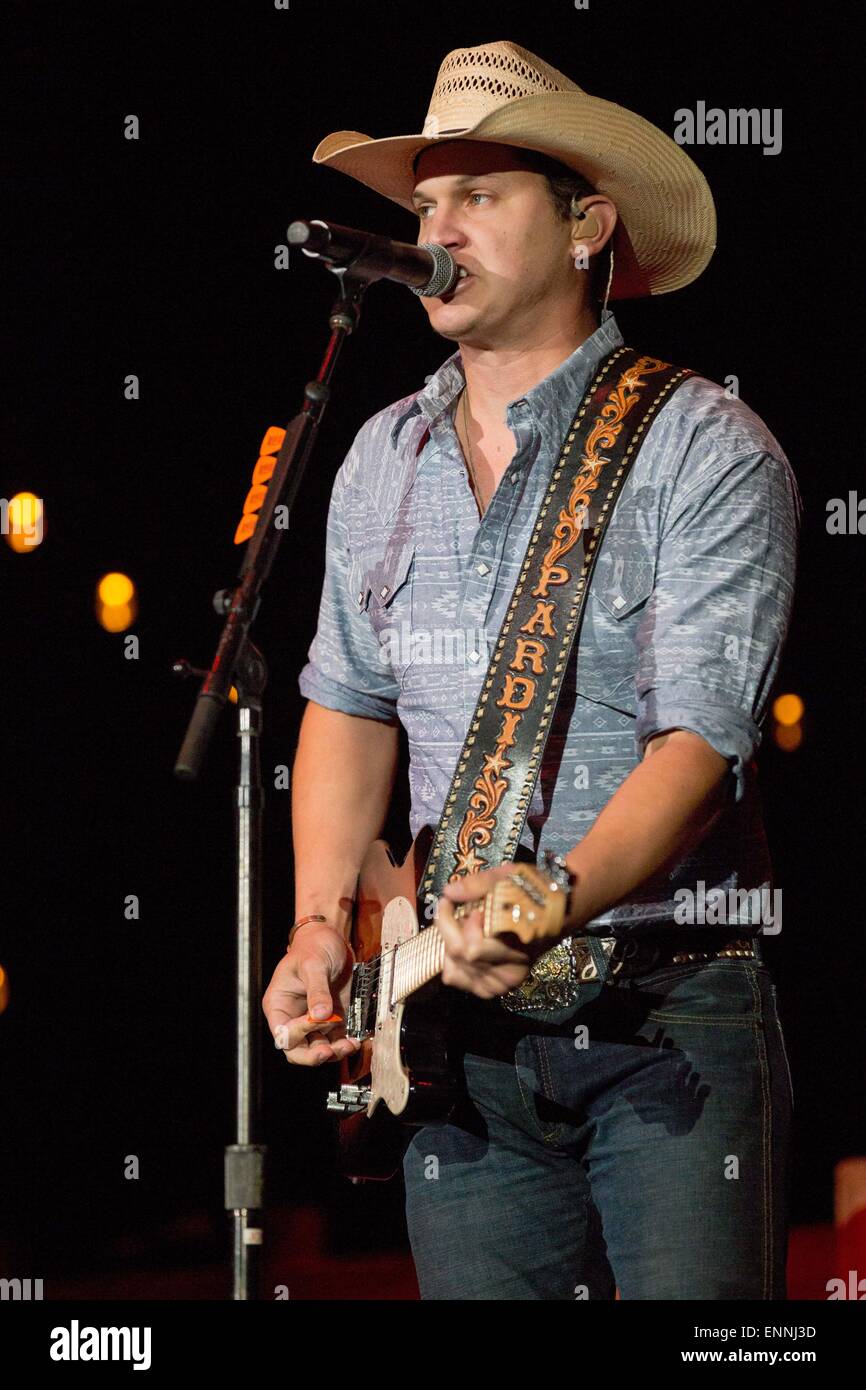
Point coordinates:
[[238, 662]]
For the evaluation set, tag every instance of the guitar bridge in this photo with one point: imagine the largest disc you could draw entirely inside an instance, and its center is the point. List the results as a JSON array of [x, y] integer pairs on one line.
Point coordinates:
[[363, 1000]]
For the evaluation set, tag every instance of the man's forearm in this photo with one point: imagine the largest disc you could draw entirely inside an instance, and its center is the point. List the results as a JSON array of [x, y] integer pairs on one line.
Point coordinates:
[[663, 809], [342, 780]]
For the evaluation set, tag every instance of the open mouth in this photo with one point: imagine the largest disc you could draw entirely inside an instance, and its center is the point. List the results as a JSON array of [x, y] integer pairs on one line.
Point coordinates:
[[465, 277]]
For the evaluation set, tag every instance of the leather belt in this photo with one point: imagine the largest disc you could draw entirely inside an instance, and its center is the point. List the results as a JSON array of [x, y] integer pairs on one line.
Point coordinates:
[[558, 975], [634, 957]]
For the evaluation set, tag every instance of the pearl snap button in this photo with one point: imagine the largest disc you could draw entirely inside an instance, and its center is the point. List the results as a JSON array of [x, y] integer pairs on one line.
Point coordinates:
[[472, 656], [619, 601], [384, 591], [482, 568]]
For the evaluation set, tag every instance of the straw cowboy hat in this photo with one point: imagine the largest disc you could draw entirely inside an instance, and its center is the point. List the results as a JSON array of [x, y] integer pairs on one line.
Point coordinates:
[[501, 93]]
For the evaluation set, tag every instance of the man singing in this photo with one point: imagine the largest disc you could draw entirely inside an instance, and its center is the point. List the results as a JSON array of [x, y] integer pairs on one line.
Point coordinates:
[[627, 1126]]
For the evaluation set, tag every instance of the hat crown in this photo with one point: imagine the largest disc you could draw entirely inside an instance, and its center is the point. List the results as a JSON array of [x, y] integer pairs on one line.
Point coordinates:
[[472, 82]]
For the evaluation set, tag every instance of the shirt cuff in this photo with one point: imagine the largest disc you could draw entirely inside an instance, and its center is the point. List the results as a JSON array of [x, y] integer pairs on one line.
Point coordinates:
[[732, 733], [330, 693]]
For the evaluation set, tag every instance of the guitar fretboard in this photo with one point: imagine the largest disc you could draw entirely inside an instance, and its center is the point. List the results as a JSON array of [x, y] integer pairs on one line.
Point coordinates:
[[420, 960]]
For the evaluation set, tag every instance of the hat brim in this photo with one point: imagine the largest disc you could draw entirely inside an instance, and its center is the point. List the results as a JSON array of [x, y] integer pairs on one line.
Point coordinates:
[[666, 231]]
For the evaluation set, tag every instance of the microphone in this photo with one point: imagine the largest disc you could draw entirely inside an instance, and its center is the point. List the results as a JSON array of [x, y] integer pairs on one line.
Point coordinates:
[[429, 269]]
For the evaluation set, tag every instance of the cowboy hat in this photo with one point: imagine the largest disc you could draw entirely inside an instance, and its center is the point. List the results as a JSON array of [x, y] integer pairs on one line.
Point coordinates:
[[499, 92]]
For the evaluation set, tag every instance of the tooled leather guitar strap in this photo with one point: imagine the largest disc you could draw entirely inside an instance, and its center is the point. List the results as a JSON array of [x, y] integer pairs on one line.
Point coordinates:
[[491, 791]]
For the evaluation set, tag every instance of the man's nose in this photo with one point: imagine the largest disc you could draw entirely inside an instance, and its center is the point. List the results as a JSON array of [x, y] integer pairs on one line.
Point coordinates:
[[442, 228]]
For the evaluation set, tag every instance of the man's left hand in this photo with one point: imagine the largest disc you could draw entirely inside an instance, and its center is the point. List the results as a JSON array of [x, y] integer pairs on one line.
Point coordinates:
[[482, 965]]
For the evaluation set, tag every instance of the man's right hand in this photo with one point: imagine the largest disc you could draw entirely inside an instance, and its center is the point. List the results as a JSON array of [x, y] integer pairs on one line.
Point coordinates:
[[315, 973]]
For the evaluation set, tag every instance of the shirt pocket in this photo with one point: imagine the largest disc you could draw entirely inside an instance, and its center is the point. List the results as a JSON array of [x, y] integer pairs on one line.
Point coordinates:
[[623, 581], [622, 584], [381, 575]]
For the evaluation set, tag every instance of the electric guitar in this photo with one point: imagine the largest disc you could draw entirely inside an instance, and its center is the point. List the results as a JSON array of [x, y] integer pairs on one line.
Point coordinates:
[[402, 1075]]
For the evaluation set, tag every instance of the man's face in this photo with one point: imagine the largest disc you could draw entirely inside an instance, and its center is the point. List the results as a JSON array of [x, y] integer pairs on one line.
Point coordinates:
[[497, 219]]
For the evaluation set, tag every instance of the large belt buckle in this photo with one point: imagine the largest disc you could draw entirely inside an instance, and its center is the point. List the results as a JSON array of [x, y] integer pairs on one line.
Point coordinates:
[[555, 979], [552, 983]]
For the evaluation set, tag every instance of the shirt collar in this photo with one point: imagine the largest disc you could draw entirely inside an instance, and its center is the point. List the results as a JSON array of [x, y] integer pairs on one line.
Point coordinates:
[[552, 402]]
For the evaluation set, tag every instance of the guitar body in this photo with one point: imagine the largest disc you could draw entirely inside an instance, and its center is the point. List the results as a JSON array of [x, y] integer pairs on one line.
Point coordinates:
[[402, 1076], [406, 1072]]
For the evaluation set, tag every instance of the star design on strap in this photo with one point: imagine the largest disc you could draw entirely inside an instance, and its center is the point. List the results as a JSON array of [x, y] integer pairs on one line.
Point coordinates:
[[471, 863], [495, 762]]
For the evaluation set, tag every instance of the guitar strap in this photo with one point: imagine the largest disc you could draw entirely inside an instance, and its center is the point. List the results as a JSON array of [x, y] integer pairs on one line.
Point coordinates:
[[491, 790]]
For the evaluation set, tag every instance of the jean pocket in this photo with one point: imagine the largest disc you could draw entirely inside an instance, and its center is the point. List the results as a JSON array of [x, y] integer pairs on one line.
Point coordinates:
[[781, 1034], [717, 992]]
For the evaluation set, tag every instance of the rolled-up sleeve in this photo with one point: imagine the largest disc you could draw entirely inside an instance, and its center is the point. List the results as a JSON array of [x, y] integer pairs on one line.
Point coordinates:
[[344, 670], [711, 638]]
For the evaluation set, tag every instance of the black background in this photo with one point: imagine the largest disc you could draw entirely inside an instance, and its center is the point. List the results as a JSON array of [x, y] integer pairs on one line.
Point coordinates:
[[156, 257]]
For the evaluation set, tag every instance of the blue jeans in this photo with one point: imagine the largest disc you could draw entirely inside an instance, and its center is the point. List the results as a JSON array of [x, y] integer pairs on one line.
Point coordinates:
[[642, 1145]]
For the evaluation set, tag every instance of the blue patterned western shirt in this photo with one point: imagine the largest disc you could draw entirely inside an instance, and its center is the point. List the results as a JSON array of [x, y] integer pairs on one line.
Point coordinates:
[[683, 628]]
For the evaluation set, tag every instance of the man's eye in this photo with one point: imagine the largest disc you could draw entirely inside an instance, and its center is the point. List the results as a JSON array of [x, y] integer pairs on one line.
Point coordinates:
[[422, 207]]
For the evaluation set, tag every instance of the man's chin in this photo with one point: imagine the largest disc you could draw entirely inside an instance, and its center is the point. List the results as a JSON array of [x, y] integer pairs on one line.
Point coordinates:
[[457, 327]]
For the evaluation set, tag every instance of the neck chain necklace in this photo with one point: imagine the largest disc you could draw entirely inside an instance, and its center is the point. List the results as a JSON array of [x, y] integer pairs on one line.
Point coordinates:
[[481, 503]]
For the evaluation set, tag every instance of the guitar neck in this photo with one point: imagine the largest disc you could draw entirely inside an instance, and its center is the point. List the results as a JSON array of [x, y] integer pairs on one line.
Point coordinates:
[[420, 960]]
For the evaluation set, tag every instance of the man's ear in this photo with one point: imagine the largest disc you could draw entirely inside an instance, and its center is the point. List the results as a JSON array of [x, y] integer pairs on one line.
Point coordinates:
[[593, 220], [583, 224]]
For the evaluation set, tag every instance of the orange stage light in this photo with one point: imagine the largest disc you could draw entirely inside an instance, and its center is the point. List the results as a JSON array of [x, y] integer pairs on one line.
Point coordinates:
[[788, 709], [788, 737], [24, 525], [115, 589]]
